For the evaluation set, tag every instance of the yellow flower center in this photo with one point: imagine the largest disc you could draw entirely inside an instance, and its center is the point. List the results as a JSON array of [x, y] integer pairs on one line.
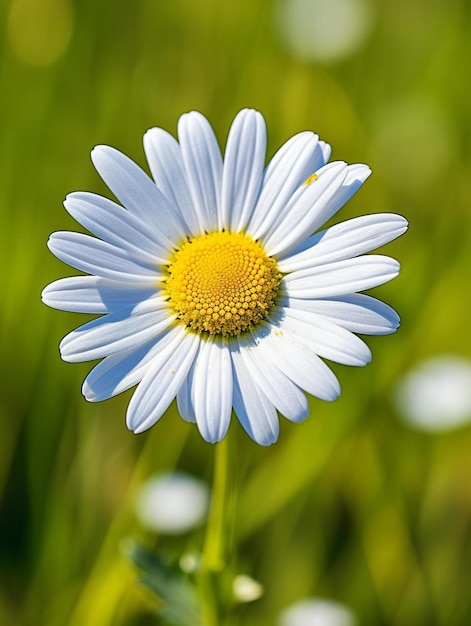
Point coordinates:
[[222, 283]]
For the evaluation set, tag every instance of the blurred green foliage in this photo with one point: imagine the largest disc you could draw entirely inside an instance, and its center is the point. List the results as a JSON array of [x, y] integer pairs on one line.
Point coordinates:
[[351, 505]]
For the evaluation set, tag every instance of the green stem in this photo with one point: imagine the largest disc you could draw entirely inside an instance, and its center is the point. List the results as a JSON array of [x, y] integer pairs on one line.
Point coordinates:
[[216, 540], [214, 551], [210, 611]]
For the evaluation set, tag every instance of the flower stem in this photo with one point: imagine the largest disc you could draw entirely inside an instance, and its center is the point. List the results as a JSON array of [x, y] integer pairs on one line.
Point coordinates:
[[215, 549]]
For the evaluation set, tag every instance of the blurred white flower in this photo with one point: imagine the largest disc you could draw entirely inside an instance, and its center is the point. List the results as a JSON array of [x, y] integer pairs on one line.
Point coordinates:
[[316, 612], [436, 395], [246, 589], [320, 30], [172, 503]]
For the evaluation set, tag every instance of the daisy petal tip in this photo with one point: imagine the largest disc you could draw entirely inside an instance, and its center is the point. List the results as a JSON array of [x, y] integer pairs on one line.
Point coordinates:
[[212, 438], [150, 131], [47, 297], [243, 113], [151, 134], [138, 418], [66, 355], [101, 154], [191, 118], [75, 197], [135, 425], [334, 165], [96, 151], [302, 416], [139, 429], [249, 116], [326, 150], [249, 112], [268, 439], [67, 200], [51, 239], [89, 394], [213, 435], [333, 393], [394, 324], [45, 294], [357, 174]]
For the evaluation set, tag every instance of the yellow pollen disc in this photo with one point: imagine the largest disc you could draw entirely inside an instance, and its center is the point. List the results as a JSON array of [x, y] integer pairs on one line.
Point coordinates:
[[222, 283]]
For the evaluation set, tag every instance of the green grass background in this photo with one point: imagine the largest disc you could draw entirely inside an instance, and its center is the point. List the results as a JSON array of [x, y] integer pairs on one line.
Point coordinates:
[[352, 504]]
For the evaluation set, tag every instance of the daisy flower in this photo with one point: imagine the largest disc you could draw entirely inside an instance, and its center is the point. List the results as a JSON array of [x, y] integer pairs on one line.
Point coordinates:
[[210, 284]]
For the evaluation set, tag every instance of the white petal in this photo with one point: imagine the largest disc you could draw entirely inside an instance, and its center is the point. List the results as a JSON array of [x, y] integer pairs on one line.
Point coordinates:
[[203, 166], [345, 240], [334, 279], [162, 380], [272, 382], [94, 256], [211, 389], [297, 361], [116, 331], [326, 150], [357, 313], [166, 165], [356, 176], [244, 162], [120, 371], [93, 294], [294, 162], [294, 221], [314, 204], [110, 222], [323, 337], [184, 401], [255, 412], [139, 194]]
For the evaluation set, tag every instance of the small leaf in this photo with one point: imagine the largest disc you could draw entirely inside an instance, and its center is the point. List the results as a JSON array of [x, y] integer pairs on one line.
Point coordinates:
[[178, 604]]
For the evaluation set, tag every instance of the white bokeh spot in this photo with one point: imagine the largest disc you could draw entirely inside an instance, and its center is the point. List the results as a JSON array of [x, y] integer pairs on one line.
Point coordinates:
[[316, 612], [246, 589], [436, 395], [172, 503], [317, 30]]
